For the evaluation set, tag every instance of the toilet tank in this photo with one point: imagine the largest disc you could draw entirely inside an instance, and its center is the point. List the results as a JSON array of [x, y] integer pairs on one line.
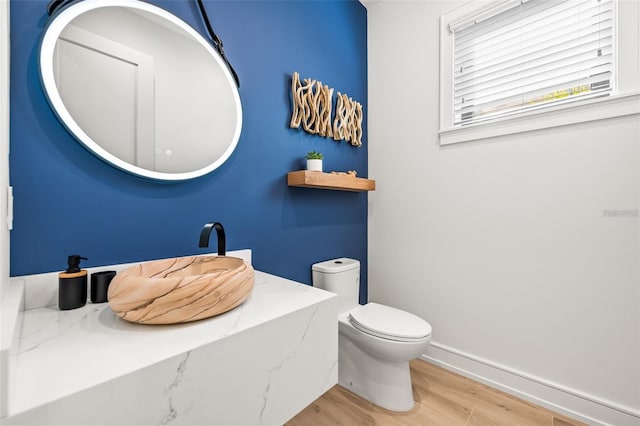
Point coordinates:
[[340, 276]]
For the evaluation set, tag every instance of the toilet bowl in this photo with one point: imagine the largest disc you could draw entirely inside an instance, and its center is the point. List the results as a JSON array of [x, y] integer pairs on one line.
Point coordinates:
[[375, 342]]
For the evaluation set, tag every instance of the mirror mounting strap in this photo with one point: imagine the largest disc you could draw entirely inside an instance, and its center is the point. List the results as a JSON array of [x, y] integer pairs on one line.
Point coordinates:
[[56, 4], [217, 43]]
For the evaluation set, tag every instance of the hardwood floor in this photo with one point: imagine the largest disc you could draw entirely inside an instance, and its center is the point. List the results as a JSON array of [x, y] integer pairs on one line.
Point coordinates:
[[442, 398]]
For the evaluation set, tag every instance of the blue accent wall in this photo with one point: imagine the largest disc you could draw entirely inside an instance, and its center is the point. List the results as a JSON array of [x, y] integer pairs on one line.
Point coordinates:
[[69, 202]]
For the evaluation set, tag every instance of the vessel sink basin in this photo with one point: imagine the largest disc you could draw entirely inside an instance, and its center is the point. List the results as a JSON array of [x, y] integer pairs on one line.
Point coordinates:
[[182, 289]]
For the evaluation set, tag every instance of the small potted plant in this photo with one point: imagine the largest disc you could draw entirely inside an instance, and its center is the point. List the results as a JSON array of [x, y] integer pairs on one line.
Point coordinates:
[[314, 161]]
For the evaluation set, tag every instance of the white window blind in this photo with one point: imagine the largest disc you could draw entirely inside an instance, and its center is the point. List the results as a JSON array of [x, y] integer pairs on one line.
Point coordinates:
[[531, 54]]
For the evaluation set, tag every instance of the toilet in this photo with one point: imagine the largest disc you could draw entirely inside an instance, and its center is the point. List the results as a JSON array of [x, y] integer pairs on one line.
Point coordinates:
[[375, 342]]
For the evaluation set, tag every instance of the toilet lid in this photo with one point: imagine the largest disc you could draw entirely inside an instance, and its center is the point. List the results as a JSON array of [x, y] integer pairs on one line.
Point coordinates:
[[389, 323]]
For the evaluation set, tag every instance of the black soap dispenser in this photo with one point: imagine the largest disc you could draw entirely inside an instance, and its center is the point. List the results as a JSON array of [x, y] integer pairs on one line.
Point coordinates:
[[72, 285]]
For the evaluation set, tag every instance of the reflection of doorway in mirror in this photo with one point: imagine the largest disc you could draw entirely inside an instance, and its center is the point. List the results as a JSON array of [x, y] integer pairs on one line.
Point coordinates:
[[108, 90]]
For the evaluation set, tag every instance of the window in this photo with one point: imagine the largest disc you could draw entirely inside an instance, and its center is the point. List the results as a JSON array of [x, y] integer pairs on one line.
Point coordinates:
[[531, 55], [515, 61]]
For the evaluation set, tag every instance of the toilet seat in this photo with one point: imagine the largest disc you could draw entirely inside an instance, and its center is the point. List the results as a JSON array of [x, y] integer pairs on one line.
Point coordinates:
[[389, 323]]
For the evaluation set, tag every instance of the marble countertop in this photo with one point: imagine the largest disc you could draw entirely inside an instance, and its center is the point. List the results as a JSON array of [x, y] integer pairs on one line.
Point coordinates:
[[58, 353]]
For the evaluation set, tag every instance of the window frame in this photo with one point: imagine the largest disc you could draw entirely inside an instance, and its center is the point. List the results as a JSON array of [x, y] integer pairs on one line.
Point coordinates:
[[625, 100]]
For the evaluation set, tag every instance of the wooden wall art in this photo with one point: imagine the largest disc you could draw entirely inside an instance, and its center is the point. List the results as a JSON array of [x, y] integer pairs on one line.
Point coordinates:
[[348, 122], [312, 110], [311, 106]]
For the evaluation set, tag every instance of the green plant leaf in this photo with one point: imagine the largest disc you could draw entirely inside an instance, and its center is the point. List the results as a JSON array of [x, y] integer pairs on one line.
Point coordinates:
[[314, 155]]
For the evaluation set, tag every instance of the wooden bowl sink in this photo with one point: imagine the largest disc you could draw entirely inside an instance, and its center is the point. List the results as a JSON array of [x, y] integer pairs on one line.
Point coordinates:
[[180, 290]]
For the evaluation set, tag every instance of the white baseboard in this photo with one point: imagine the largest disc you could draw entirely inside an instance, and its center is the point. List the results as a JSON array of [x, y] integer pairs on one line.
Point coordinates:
[[561, 399]]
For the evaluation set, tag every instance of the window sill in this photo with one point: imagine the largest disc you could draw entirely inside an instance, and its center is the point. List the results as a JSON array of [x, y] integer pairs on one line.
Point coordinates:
[[563, 115]]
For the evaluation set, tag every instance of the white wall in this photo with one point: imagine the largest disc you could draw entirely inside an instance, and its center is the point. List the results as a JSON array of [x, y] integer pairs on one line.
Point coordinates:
[[503, 244], [4, 139], [4, 182]]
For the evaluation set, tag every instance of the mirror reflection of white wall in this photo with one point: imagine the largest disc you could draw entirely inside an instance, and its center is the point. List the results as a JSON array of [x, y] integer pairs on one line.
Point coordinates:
[[189, 96], [107, 88]]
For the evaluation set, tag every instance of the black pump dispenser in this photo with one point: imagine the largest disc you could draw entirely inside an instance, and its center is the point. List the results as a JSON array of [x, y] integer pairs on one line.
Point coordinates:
[[72, 284], [74, 263]]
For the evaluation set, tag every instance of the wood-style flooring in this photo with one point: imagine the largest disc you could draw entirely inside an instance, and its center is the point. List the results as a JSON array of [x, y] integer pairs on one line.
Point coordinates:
[[442, 398]]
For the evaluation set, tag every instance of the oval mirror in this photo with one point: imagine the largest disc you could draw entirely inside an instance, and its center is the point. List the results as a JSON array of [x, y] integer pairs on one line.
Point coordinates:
[[140, 88]]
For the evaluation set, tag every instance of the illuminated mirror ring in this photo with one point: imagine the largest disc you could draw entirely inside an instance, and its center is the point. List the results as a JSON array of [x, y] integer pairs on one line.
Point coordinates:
[[181, 114]]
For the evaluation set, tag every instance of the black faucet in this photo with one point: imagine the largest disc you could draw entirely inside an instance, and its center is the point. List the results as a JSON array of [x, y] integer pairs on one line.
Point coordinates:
[[206, 232]]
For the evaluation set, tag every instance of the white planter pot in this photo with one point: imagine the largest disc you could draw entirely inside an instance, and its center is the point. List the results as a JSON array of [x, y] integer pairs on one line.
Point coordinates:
[[315, 165]]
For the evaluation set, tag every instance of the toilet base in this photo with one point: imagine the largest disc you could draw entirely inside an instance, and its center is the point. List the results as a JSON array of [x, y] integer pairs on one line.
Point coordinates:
[[383, 382]]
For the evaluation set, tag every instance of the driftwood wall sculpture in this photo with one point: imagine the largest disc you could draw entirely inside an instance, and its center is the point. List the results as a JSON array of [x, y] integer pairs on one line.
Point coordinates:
[[312, 110], [348, 122], [311, 106]]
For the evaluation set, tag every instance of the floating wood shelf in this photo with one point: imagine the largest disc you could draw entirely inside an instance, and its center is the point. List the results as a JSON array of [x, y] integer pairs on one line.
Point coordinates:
[[312, 179]]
